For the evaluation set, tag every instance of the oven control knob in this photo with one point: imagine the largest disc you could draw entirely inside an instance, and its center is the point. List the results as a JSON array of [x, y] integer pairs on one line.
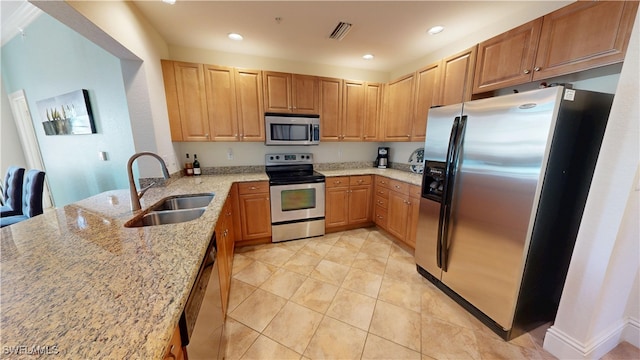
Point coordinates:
[[270, 157], [278, 157]]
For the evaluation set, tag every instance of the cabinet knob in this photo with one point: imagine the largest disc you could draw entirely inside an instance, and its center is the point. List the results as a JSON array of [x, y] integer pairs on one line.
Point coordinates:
[[242, 135], [408, 135], [337, 182], [537, 68], [253, 188], [527, 71], [360, 181], [397, 186], [206, 135]]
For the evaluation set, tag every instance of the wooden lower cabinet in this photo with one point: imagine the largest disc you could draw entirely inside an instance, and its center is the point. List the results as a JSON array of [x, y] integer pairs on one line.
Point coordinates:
[[396, 208], [225, 249], [255, 211], [348, 202], [174, 349]]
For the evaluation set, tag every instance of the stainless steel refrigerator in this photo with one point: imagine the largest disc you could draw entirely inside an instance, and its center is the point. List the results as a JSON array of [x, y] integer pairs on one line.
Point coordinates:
[[504, 187]]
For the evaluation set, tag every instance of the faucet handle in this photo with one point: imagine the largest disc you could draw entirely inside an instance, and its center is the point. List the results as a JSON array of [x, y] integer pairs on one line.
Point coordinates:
[[144, 189]]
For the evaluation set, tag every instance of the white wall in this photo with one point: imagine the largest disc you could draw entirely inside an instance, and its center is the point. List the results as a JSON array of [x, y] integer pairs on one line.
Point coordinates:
[[593, 314]]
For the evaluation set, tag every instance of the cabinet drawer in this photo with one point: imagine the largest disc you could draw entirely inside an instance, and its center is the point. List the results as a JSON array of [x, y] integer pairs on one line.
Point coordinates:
[[415, 191], [383, 181], [336, 181], [360, 180], [382, 192], [380, 217], [382, 202], [254, 187], [399, 186]]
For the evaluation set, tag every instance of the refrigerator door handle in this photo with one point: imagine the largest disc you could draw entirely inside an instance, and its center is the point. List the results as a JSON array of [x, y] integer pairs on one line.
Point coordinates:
[[443, 219], [451, 179]]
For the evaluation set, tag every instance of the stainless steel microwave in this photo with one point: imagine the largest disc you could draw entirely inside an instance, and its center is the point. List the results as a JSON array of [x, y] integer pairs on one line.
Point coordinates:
[[292, 129]]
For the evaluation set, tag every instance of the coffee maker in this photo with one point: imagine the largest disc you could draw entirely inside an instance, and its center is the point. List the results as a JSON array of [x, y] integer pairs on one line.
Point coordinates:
[[383, 158]]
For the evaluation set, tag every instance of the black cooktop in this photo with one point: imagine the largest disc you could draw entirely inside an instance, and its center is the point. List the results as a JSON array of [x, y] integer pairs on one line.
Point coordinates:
[[293, 174]]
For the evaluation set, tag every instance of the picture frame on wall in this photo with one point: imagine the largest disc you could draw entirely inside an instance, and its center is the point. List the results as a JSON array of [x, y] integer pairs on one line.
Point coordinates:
[[67, 114]]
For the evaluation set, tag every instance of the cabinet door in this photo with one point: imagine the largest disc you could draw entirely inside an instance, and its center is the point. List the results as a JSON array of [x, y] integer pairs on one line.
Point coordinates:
[[353, 110], [398, 213], [330, 108], [192, 102], [249, 102], [584, 35], [412, 220], [457, 77], [426, 95], [304, 94], [508, 58], [277, 91], [222, 255], [372, 111], [171, 95], [399, 112], [360, 204], [256, 216], [336, 206], [220, 88]]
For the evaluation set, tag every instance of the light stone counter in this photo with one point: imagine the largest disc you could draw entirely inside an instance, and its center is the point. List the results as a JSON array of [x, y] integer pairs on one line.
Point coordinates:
[[411, 178], [77, 283]]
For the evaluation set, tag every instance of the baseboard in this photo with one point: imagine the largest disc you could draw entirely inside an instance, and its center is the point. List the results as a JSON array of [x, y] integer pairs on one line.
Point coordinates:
[[563, 346]]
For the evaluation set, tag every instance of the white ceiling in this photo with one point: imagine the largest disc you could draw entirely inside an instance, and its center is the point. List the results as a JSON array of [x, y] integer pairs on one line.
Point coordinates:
[[394, 31]]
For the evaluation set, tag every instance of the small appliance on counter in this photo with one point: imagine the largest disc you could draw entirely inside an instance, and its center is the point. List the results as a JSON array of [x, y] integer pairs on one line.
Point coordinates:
[[383, 158]]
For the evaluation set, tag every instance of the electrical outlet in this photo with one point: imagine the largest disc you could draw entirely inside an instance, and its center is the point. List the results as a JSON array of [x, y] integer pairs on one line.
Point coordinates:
[[229, 154]]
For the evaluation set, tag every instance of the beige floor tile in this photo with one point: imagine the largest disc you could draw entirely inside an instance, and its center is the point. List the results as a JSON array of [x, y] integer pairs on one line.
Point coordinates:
[[258, 309], [272, 254], [341, 255], [353, 243], [240, 262], [491, 348], [438, 305], [408, 296], [302, 263], [294, 326], [401, 251], [377, 348], [404, 270], [267, 349], [330, 272], [442, 340], [238, 337], [397, 324], [283, 283], [370, 263], [329, 239], [336, 340], [360, 233], [363, 282], [315, 294], [238, 293], [295, 245], [352, 308], [376, 248], [255, 273], [319, 249]]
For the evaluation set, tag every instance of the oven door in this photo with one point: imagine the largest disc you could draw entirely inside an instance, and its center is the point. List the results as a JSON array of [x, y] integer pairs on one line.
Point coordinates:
[[297, 202]]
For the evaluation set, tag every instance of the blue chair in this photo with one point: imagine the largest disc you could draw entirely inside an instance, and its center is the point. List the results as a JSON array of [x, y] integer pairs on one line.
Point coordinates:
[[12, 192], [31, 198]]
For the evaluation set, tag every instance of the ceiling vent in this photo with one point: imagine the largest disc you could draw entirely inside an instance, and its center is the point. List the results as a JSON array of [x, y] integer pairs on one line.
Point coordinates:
[[340, 31]]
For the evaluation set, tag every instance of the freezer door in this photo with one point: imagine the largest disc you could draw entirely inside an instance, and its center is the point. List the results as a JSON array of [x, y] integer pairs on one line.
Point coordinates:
[[439, 123], [497, 183]]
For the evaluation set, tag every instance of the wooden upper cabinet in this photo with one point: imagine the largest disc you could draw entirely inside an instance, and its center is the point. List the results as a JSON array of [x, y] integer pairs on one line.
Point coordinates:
[[584, 35], [399, 109], [426, 95], [186, 100], [507, 59], [330, 91], [221, 102], [372, 111], [352, 111], [249, 103], [456, 77], [290, 93]]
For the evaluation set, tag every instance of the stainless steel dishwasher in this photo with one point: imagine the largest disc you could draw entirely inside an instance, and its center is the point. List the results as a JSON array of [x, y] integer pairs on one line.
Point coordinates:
[[202, 322]]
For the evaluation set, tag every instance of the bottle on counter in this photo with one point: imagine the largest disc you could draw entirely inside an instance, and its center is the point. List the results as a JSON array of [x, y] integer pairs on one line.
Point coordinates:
[[196, 166], [188, 167]]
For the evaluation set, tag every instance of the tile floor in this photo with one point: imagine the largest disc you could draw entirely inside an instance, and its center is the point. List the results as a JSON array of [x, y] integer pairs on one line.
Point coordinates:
[[349, 295]]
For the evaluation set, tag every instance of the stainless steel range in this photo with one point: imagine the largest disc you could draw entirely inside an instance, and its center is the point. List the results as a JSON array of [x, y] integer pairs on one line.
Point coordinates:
[[297, 196]]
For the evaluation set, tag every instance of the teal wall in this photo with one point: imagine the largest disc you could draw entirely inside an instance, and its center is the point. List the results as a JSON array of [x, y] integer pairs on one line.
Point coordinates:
[[51, 60]]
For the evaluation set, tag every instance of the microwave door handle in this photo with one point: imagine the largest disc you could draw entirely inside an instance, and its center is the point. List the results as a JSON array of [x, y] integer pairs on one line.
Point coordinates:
[[310, 132]]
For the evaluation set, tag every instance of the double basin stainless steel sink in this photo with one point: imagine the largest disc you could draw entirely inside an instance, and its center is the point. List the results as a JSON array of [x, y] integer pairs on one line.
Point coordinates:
[[173, 210]]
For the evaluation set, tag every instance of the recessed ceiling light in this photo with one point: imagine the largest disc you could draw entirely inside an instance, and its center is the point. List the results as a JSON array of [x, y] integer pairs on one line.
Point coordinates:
[[436, 30], [170, 2], [368, 57], [234, 36]]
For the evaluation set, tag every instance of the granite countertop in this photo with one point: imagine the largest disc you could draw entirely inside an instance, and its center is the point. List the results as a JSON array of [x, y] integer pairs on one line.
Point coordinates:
[[77, 283]]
